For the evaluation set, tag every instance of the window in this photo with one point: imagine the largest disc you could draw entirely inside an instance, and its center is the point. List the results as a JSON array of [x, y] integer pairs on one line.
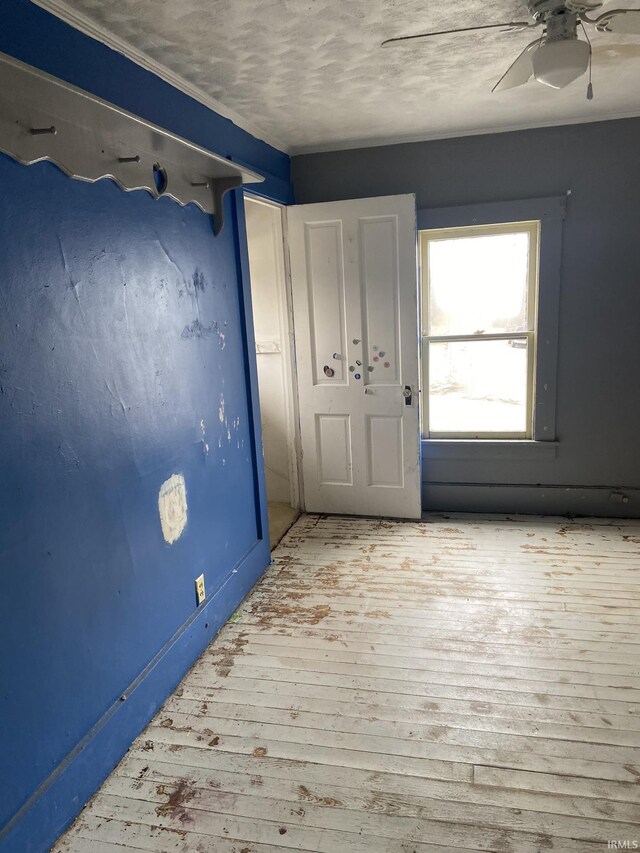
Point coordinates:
[[479, 321]]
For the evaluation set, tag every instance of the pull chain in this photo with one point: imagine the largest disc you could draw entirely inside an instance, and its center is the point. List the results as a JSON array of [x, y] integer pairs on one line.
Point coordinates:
[[590, 84]]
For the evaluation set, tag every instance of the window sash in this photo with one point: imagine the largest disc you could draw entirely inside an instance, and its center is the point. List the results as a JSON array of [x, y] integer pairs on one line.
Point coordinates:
[[531, 227], [493, 336], [529, 335]]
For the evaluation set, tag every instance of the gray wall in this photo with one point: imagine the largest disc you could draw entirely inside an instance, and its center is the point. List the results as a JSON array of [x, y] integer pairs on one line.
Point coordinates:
[[598, 406]]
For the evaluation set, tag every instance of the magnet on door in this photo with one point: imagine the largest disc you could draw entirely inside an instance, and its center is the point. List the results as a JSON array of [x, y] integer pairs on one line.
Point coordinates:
[[329, 371]]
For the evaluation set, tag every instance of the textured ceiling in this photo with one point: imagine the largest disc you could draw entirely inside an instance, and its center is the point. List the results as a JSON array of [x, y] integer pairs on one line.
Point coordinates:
[[311, 73]]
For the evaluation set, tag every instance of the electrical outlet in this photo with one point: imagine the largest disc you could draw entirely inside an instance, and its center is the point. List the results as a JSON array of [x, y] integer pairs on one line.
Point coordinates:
[[200, 593]]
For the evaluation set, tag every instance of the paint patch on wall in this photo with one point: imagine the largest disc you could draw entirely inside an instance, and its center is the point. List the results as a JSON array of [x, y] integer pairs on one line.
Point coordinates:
[[172, 505]]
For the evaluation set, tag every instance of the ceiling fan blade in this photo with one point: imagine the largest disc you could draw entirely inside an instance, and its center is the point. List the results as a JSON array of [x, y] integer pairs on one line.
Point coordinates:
[[511, 25], [519, 71], [623, 21]]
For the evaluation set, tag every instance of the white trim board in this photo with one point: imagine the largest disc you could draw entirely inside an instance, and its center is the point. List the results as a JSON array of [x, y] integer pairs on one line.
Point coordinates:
[[284, 310], [85, 25]]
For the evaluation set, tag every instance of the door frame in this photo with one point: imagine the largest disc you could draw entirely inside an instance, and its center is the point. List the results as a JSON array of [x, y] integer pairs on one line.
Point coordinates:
[[285, 317]]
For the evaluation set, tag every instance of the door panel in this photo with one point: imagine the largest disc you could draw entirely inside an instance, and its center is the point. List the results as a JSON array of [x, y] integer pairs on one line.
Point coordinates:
[[385, 464], [379, 279], [354, 282], [334, 450], [325, 281]]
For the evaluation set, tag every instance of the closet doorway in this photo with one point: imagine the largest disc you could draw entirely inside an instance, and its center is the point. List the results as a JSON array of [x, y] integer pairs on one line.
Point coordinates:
[[270, 294]]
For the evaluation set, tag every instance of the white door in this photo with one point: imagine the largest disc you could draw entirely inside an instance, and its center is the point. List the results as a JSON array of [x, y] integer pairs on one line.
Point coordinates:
[[355, 295]]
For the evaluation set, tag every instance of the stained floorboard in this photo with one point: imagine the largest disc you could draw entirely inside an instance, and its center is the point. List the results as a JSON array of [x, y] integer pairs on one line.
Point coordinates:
[[463, 682]]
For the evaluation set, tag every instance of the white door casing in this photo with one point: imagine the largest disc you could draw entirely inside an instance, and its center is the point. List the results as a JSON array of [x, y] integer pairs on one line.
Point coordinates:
[[355, 301], [273, 328]]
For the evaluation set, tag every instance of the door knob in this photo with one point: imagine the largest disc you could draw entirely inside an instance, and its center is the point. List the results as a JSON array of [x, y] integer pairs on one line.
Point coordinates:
[[407, 393]]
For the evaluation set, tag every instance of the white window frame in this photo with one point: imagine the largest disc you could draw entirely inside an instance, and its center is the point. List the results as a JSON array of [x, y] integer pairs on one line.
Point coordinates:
[[550, 212], [427, 238]]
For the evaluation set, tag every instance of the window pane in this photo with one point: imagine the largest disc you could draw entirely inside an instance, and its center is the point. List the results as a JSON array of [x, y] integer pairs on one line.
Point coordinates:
[[478, 284], [478, 386]]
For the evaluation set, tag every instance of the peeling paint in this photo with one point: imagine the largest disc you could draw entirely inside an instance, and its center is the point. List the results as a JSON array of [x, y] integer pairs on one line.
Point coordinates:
[[172, 505], [205, 445], [197, 330]]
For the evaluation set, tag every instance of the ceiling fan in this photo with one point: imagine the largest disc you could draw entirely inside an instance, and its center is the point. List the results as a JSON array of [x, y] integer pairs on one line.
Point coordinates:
[[557, 57]]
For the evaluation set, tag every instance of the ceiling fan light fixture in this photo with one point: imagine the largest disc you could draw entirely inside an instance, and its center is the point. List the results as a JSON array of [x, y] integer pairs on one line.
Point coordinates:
[[558, 63]]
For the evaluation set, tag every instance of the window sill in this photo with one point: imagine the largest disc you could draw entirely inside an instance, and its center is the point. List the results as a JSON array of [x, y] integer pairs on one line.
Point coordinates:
[[505, 449]]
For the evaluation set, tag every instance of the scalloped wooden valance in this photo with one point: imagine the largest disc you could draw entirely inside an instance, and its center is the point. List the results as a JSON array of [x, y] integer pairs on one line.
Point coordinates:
[[44, 118]]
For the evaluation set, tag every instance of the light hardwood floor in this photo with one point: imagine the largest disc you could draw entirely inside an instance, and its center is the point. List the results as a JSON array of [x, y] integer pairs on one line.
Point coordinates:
[[462, 683]]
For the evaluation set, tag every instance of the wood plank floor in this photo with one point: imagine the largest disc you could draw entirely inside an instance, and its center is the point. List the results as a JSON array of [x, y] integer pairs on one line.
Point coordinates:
[[465, 682]]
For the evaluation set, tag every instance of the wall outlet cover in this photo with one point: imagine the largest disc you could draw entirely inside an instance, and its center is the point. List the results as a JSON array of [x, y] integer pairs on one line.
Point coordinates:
[[200, 593]]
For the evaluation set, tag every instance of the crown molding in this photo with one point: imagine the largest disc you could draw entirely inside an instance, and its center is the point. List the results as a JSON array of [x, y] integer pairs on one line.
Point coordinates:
[[85, 25]]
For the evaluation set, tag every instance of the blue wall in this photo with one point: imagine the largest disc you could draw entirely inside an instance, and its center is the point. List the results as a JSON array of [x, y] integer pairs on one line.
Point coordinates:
[[123, 327]]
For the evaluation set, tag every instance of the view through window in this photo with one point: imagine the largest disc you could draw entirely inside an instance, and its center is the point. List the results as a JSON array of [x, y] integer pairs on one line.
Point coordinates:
[[478, 326]]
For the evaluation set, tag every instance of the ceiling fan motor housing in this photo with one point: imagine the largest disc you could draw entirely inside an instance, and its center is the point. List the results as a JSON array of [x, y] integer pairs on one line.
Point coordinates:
[[539, 9], [561, 26]]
